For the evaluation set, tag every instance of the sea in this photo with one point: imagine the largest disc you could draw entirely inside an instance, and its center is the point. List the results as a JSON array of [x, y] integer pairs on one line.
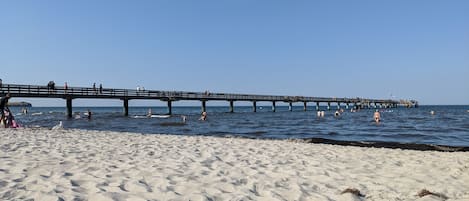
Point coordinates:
[[449, 125]]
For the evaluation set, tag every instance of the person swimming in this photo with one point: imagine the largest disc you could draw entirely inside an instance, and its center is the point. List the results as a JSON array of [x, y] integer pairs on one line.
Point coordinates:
[[203, 117], [337, 113], [377, 116], [149, 113], [89, 114]]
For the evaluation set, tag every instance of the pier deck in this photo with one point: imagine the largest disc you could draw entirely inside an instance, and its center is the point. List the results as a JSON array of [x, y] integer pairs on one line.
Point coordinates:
[[70, 93]]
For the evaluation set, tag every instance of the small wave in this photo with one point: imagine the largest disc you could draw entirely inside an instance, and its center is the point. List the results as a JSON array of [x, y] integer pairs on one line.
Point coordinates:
[[257, 133], [139, 117], [36, 113], [172, 124], [408, 135], [406, 127]]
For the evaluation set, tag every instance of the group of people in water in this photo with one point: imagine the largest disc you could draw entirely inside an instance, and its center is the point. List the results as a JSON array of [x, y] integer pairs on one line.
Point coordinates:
[[337, 113], [7, 119], [203, 116]]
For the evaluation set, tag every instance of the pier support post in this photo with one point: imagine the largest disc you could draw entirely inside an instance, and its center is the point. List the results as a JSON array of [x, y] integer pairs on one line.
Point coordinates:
[[170, 107], [204, 107], [273, 106], [69, 107], [126, 107], [305, 106], [375, 105], [317, 106], [254, 106], [338, 105], [347, 106], [290, 106], [231, 107], [328, 105]]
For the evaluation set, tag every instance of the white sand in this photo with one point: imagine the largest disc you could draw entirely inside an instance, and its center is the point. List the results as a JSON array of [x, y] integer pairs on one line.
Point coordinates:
[[89, 165]]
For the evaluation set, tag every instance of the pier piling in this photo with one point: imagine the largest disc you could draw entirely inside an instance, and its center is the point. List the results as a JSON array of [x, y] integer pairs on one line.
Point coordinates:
[[126, 107], [170, 107], [231, 107], [204, 106], [69, 107]]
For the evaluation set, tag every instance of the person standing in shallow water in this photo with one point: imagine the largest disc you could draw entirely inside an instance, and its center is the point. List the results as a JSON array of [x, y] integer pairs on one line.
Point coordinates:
[[203, 117], [89, 114], [149, 113], [377, 116]]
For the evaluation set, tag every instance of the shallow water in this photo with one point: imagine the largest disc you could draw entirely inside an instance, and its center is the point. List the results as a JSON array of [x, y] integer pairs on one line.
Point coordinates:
[[449, 125]]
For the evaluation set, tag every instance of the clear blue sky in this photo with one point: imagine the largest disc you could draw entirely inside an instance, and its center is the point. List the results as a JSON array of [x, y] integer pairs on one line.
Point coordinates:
[[410, 49]]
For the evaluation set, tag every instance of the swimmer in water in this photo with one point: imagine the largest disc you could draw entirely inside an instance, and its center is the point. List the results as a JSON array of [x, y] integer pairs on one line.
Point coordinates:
[[184, 118], [89, 114], [203, 117], [337, 113], [149, 113], [377, 116]]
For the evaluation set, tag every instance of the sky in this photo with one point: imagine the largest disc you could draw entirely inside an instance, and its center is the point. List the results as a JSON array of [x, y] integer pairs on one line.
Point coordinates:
[[373, 49]]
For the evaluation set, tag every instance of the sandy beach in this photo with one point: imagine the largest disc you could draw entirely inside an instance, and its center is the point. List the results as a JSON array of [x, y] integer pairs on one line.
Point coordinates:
[[43, 164]]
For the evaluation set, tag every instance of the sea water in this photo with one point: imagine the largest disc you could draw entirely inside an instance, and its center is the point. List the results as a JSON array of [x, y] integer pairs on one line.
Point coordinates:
[[448, 126]]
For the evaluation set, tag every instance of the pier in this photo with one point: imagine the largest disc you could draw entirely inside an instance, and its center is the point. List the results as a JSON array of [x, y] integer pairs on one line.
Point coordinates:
[[70, 93]]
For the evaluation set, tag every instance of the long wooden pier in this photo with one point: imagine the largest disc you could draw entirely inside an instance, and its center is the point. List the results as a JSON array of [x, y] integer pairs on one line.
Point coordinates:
[[70, 93]]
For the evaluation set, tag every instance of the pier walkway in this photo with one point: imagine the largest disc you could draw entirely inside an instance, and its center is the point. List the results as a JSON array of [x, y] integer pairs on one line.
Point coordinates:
[[70, 93]]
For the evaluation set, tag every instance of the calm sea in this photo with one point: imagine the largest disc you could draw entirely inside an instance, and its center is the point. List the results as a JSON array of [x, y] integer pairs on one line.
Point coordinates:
[[449, 125]]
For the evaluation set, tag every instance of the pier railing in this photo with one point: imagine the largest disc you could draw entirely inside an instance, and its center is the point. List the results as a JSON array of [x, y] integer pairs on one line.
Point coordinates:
[[18, 90]]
